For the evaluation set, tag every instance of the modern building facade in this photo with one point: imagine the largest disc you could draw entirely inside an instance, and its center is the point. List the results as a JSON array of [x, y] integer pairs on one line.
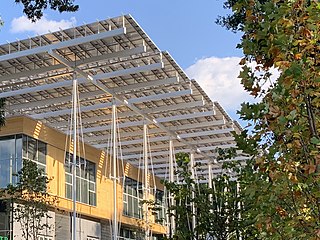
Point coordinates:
[[105, 93], [25, 138]]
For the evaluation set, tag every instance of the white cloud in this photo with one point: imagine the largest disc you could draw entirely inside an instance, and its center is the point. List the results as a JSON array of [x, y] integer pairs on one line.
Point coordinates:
[[219, 79], [23, 24]]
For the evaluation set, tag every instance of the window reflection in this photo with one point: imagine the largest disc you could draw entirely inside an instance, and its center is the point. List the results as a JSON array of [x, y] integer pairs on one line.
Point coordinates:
[[85, 182], [133, 194], [12, 150]]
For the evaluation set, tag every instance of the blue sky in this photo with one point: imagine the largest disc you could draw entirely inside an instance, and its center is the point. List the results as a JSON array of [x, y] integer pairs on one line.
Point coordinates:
[[187, 29]]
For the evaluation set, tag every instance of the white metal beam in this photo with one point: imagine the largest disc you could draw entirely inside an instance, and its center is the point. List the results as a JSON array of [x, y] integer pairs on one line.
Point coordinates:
[[107, 127], [82, 80], [67, 111], [185, 116], [178, 106], [155, 97], [197, 125], [186, 135], [165, 138], [43, 87], [179, 147], [64, 44], [118, 97], [174, 107], [79, 63], [224, 146], [90, 94], [147, 84], [165, 163], [206, 133]]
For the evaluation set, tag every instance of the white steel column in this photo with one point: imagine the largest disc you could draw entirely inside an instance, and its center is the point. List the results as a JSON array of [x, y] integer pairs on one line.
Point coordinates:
[[74, 159], [146, 185], [171, 179], [210, 184], [193, 189], [114, 170]]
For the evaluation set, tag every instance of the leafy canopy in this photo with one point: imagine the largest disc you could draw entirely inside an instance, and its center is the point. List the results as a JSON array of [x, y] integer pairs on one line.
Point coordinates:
[[285, 143], [34, 8]]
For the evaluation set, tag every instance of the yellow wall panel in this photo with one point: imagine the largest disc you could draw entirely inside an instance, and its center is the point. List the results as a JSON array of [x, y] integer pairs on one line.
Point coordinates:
[[56, 149]]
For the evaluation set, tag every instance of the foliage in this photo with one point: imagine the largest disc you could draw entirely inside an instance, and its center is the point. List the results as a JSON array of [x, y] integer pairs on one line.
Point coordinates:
[[284, 143], [34, 8], [31, 200], [218, 208], [2, 111]]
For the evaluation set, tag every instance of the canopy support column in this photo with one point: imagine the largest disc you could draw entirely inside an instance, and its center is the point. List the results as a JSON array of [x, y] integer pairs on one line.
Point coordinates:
[[193, 190], [74, 157], [146, 182], [171, 179], [114, 170]]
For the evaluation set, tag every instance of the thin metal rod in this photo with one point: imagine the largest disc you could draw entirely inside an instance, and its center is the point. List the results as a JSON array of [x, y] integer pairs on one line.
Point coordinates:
[[114, 170], [74, 159], [171, 179], [146, 185], [193, 189], [210, 184]]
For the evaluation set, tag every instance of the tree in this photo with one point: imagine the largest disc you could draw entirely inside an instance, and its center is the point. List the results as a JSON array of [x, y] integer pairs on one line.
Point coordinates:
[[30, 200], [2, 112], [34, 8], [217, 209], [284, 141]]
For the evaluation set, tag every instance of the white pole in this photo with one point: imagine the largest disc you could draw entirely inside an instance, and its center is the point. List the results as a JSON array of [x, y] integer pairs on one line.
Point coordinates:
[[146, 187], [210, 186], [114, 171], [171, 179], [74, 159], [193, 189], [210, 182]]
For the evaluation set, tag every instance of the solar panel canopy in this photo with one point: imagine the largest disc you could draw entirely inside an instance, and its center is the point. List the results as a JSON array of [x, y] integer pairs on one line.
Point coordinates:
[[115, 63]]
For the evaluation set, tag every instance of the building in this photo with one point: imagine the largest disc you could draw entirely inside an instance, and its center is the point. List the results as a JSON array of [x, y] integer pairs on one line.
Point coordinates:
[[129, 107]]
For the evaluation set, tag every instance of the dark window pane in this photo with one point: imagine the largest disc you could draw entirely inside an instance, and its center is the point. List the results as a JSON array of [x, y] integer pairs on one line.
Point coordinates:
[[25, 146], [42, 152], [92, 186], [32, 149], [5, 173], [78, 189], [68, 191], [68, 178], [19, 147], [7, 149], [84, 191], [92, 198], [92, 171]]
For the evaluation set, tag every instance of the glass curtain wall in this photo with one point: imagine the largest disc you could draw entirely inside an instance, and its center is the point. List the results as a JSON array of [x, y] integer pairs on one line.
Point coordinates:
[[15, 148]]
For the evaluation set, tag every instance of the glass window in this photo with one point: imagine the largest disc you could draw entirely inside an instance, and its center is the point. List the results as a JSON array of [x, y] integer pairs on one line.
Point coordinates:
[[85, 179], [25, 146], [160, 205], [15, 148], [132, 196], [34, 150], [42, 152]]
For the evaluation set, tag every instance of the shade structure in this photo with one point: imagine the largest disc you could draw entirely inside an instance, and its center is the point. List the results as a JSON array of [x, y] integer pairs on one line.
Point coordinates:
[[115, 60]]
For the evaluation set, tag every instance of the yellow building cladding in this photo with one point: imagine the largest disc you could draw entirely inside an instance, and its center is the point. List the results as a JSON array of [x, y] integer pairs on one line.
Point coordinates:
[[57, 146]]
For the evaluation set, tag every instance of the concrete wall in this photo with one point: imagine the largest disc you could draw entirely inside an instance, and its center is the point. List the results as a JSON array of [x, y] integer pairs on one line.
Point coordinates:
[[20, 227]]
